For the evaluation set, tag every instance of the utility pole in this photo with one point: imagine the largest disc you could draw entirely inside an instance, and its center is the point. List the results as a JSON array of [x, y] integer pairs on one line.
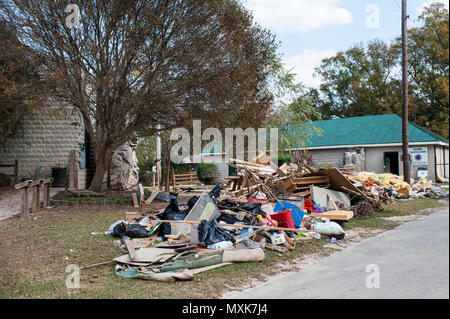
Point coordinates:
[[158, 155], [406, 169]]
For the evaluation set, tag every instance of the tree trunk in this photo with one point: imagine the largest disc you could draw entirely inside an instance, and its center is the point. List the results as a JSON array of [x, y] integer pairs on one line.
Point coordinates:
[[102, 161], [97, 181]]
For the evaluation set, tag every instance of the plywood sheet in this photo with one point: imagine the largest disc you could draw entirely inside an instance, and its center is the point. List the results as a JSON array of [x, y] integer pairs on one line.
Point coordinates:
[[335, 214]]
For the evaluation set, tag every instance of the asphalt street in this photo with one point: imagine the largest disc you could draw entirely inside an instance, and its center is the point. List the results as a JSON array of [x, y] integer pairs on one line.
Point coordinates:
[[410, 261]]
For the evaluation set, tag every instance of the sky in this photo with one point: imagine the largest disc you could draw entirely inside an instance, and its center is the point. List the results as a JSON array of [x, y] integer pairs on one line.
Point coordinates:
[[310, 30]]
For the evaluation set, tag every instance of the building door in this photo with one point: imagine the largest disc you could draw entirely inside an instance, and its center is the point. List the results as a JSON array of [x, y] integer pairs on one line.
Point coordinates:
[[391, 163]]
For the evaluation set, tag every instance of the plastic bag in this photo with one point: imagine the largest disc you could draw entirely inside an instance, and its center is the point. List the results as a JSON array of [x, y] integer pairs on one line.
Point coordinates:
[[211, 233], [215, 192], [330, 227], [132, 231], [172, 212], [136, 231]]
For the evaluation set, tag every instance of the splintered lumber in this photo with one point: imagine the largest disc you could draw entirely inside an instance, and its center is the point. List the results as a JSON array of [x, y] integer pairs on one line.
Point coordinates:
[[332, 202], [152, 197], [262, 159], [282, 170], [130, 216], [249, 226], [335, 214], [135, 201], [130, 248], [311, 180]]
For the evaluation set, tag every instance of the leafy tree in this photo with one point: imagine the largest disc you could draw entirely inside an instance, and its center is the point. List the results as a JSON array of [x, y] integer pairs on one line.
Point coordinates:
[[135, 64], [360, 81], [294, 109], [428, 47], [366, 80], [20, 84]]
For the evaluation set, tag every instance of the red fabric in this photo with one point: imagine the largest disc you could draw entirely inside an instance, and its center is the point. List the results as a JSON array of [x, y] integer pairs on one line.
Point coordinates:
[[309, 205]]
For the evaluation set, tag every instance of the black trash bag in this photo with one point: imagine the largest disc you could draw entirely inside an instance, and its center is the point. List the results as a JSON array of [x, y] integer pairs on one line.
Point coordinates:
[[227, 218], [228, 203], [132, 231], [254, 209], [191, 202], [136, 231], [215, 192], [211, 233], [119, 230], [172, 212]]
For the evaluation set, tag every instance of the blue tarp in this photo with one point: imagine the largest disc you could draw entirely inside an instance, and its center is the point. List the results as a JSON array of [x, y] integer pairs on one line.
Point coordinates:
[[297, 214]]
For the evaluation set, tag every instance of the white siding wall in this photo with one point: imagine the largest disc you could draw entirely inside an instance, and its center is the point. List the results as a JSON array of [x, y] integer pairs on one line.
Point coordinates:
[[333, 157]]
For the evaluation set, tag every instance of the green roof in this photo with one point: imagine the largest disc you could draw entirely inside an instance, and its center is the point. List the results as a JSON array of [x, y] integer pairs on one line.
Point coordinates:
[[372, 129]]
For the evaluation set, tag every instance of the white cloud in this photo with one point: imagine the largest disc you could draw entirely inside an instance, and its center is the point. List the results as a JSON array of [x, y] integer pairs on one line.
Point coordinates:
[[303, 65], [298, 15], [427, 3]]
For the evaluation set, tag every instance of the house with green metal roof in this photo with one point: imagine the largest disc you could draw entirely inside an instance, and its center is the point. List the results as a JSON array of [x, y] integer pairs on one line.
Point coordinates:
[[377, 140]]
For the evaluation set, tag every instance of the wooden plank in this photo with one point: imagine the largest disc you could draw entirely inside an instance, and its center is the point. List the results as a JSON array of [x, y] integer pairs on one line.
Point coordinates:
[[338, 181], [45, 196], [34, 200], [335, 214], [130, 248], [36, 182], [152, 197], [310, 180], [332, 202], [135, 202], [73, 172], [25, 203], [262, 159], [130, 216], [23, 184], [48, 190]]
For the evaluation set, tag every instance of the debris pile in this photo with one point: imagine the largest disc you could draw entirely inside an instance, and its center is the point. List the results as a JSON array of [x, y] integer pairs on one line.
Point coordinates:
[[263, 207], [389, 186]]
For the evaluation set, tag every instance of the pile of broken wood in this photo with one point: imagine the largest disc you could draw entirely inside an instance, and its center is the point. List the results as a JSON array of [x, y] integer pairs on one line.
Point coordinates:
[[263, 175]]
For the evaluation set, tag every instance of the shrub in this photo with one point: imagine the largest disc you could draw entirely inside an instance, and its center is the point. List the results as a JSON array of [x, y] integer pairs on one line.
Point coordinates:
[[284, 159], [206, 173]]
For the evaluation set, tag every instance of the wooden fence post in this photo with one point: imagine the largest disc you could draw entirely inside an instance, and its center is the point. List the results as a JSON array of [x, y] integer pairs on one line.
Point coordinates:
[[73, 170], [35, 192], [46, 195], [24, 187]]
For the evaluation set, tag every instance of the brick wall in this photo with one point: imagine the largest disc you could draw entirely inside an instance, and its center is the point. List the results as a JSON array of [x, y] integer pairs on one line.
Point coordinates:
[[46, 139]]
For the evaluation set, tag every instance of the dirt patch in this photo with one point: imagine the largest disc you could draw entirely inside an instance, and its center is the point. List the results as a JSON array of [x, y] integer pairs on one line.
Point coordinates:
[[11, 201]]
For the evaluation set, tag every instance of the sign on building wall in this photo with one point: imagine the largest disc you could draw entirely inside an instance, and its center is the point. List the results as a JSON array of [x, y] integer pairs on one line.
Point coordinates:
[[419, 155]]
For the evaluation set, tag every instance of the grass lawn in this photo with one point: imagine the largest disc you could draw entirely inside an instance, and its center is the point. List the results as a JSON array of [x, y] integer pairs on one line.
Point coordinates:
[[36, 251]]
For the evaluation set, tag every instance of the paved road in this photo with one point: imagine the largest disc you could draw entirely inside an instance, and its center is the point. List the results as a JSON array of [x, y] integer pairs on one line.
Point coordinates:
[[413, 262]]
